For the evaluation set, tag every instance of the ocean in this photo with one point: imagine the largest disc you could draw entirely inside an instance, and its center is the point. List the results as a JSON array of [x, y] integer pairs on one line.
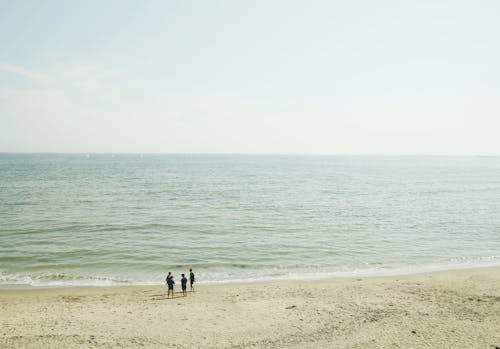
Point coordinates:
[[126, 219]]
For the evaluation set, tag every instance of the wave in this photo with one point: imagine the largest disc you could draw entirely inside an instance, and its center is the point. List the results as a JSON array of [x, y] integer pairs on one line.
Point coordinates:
[[233, 273], [58, 279], [94, 228]]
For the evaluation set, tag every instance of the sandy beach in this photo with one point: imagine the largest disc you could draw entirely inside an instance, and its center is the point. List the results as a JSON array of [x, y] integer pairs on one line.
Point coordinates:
[[452, 309]]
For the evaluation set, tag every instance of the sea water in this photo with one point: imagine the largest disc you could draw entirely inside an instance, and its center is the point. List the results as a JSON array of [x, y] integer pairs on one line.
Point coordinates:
[[116, 219]]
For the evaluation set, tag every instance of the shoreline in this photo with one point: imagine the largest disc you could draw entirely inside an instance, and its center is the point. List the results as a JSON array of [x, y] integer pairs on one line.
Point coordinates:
[[458, 308], [398, 272], [260, 282]]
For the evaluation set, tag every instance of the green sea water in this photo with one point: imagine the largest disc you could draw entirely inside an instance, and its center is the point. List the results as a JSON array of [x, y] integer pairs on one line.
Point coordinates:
[[104, 219]]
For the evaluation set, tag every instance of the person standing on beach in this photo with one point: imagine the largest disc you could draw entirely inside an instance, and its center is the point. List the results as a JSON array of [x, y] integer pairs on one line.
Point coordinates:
[[170, 284], [191, 279], [184, 284], [168, 277]]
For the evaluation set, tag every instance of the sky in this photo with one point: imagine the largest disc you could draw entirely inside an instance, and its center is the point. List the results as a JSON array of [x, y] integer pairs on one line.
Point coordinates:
[[265, 77]]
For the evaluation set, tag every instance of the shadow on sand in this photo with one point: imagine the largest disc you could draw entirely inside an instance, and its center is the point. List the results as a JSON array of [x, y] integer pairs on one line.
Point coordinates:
[[163, 296]]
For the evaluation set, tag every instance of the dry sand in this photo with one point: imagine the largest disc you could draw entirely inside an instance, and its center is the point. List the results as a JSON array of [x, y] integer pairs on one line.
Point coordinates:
[[453, 309]]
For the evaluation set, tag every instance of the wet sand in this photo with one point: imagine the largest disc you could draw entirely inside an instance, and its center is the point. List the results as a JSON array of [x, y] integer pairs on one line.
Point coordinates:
[[452, 309]]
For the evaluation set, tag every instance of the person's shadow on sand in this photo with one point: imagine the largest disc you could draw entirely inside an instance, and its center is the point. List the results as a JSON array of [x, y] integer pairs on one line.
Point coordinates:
[[162, 297]]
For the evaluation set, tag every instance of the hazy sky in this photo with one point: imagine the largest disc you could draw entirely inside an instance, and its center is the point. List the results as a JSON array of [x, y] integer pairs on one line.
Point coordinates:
[[328, 77]]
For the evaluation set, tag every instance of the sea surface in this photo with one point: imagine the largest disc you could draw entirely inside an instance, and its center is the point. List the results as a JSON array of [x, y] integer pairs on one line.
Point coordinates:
[[117, 219]]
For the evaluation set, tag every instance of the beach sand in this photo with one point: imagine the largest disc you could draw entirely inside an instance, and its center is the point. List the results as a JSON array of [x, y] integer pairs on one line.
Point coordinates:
[[452, 309]]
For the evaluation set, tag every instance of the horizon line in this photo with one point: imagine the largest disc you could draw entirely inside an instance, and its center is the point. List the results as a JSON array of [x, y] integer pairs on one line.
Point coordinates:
[[243, 154]]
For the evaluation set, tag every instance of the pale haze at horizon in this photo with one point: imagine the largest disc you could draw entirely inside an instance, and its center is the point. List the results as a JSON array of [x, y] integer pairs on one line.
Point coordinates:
[[305, 77]]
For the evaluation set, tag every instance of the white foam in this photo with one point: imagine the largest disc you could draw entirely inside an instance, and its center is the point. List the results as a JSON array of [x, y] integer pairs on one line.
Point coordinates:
[[222, 275]]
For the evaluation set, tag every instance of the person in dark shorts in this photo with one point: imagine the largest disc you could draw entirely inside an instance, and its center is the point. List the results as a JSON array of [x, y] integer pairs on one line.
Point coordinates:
[[168, 277], [184, 282], [191, 279], [170, 284]]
